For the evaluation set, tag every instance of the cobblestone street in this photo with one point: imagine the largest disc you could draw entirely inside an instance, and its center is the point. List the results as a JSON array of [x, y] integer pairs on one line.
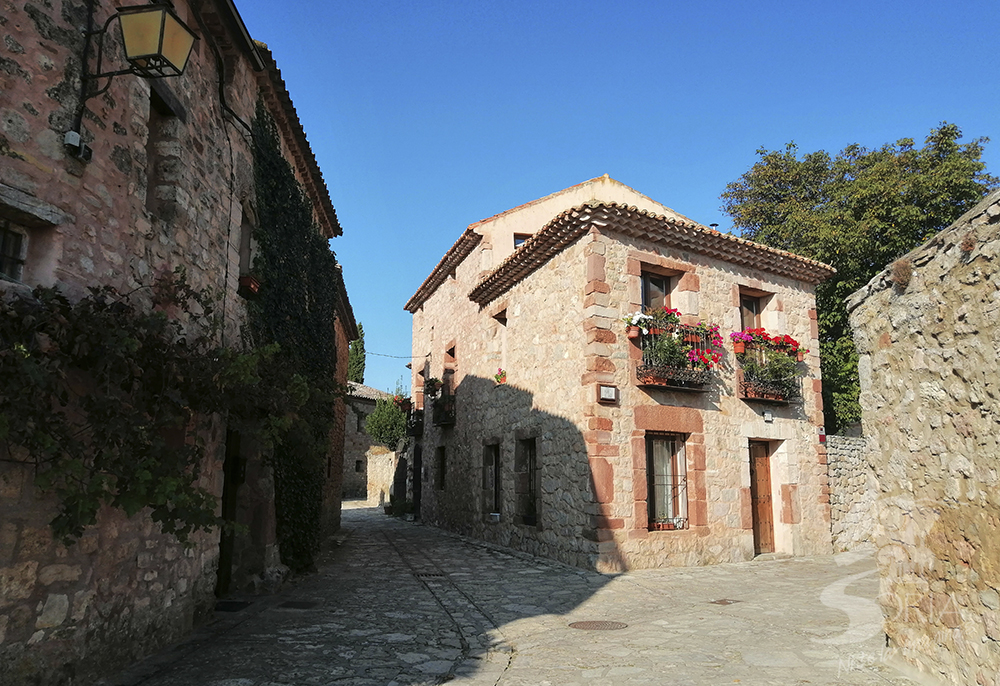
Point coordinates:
[[399, 603]]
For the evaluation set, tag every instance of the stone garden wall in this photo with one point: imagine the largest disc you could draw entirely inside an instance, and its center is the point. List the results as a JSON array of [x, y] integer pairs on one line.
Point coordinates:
[[928, 335], [853, 490]]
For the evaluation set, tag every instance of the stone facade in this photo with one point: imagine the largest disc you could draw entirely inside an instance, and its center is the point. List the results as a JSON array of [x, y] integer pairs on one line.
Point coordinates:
[[542, 463], [368, 468], [853, 490], [169, 183], [927, 331]]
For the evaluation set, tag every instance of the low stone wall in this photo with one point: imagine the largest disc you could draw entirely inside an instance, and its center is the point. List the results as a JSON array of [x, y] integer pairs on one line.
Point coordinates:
[[853, 491]]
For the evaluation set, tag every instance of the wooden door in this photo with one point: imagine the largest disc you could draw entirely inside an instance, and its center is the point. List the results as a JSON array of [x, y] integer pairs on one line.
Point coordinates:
[[760, 497]]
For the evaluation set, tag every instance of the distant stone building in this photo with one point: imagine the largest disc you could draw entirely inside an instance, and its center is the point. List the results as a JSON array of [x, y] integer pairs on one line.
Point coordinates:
[[595, 451], [160, 176], [368, 468], [928, 335]]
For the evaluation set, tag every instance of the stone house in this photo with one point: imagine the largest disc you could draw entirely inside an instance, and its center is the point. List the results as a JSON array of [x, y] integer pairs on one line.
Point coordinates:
[[592, 452], [369, 468], [927, 334], [159, 175]]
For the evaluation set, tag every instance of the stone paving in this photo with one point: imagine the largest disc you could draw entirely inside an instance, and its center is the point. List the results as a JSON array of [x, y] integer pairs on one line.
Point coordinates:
[[402, 604]]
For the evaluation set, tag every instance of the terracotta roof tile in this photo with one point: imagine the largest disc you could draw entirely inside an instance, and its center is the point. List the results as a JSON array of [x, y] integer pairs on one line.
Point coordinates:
[[367, 392], [630, 221]]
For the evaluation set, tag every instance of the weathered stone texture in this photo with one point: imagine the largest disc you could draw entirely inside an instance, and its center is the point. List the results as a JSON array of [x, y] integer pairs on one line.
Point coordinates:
[[160, 192], [928, 361], [853, 490]]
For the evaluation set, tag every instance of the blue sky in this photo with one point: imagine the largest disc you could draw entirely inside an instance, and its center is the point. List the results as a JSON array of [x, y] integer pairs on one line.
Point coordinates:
[[426, 116]]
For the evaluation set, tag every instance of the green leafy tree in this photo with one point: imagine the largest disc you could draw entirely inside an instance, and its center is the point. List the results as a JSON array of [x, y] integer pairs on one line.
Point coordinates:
[[387, 423], [858, 211], [356, 358]]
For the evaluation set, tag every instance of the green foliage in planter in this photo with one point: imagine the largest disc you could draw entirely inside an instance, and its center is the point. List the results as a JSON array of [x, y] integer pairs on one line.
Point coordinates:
[[667, 350], [108, 400], [296, 309], [387, 423], [766, 364]]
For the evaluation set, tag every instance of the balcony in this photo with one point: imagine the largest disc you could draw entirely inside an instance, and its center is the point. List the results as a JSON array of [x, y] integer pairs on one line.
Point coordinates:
[[444, 410], [677, 357], [768, 374], [415, 423]]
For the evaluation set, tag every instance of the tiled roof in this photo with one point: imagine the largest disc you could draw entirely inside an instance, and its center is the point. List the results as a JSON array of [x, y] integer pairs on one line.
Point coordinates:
[[366, 392], [630, 221], [456, 253]]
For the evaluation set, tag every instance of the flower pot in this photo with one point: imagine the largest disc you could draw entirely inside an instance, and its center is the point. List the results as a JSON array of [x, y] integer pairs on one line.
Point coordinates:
[[249, 287], [739, 346], [799, 357], [656, 331], [692, 338], [633, 331]]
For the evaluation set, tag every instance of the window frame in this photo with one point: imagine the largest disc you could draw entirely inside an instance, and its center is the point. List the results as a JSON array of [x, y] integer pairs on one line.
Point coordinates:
[[492, 479], [528, 481], [671, 490], [9, 228], [645, 281]]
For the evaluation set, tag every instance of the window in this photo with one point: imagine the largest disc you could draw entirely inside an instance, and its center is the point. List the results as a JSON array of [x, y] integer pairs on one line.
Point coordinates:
[[246, 246], [13, 247], [501, 317], [528, 481], [520, 238], [491, 478], [667, 474], [750, 307], [655, 290], [358, 466], [361, 421], [442, 464]]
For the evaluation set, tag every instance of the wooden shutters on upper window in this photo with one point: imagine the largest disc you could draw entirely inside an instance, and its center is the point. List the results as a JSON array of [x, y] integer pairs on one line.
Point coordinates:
[[750, 307], [655, 290]]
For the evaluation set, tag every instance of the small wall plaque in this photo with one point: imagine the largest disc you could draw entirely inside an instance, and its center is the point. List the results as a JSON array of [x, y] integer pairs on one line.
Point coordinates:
[[607, 394]]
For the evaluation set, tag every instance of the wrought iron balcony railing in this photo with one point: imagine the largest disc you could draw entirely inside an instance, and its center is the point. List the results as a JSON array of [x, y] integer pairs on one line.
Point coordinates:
[[444, 410], [768, 375], [666, 362], [415, 423]]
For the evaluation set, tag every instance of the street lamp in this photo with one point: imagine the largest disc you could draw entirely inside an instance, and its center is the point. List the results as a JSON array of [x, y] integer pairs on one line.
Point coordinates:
[[157, 44]]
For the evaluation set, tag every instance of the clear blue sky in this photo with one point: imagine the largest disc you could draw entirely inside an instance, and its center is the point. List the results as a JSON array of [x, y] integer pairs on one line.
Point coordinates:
[[426, 116]]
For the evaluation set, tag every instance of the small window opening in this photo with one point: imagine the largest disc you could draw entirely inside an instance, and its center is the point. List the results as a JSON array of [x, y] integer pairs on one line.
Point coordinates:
[[442, 467], [655, 291], [528, 481], [491, 478], [358, 466], [520, 238], [13, 246]]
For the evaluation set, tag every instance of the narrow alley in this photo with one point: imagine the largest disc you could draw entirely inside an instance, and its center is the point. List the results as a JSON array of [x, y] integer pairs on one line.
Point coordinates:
[[402, 604]]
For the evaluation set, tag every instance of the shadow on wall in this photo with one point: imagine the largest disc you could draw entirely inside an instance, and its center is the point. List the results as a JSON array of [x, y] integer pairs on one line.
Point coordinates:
[[501, 470]]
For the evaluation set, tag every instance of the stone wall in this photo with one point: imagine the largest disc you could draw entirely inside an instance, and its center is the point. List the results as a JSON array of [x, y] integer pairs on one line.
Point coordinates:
[[927, 333], [853, 490], [169, 184], [558, 334]]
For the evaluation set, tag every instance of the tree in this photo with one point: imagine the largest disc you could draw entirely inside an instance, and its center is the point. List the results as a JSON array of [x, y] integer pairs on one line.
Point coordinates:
[[387, 423], [858, 212], [356, 358]]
